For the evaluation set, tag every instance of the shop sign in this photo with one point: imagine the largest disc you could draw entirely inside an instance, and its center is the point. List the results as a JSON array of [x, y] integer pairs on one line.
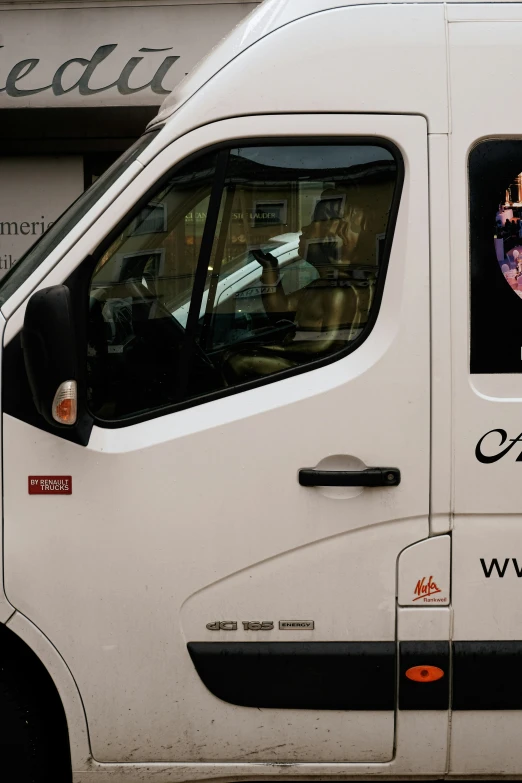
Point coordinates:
[[122, 55], [14, 83]]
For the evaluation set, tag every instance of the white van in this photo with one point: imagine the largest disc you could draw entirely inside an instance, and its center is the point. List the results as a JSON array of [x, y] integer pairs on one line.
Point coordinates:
[[269, 368]]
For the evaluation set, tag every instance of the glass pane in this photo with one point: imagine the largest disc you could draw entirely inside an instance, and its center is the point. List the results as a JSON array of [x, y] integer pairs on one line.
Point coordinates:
[[140, 296], [296, 258], [291, 277]]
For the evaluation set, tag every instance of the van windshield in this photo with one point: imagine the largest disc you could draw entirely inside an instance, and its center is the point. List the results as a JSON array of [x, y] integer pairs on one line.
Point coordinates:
[[39, 251]]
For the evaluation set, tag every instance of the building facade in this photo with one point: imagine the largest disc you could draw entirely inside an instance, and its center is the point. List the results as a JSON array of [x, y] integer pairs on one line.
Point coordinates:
[[78, 83]]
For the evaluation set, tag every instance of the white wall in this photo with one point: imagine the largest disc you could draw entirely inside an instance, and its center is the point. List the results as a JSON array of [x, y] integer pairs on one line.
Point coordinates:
[[33, 190]]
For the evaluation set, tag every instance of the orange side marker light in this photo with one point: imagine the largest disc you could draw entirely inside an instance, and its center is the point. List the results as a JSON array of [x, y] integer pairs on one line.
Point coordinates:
[[65, 403], [424, 673]]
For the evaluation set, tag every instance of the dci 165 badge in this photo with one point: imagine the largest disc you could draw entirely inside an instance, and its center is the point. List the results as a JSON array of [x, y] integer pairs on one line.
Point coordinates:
[[261, 625]]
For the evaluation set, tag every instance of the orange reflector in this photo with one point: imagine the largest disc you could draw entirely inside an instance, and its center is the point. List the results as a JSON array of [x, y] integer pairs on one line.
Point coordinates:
[[65, 408], [424, 673]]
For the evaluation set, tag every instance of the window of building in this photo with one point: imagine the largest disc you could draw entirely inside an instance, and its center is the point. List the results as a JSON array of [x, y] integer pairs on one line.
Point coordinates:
[[249, 264], [495, 186]]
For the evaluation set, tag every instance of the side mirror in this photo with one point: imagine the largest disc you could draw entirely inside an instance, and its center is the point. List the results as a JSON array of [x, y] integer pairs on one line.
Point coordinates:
[[49, 346]]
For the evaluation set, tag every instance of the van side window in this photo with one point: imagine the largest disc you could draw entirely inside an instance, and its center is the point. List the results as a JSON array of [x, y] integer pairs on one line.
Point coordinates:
[[247, 265], [495, 187]]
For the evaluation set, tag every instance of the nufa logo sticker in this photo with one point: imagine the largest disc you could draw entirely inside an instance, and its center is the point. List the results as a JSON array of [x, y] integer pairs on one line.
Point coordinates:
[[425, 589]]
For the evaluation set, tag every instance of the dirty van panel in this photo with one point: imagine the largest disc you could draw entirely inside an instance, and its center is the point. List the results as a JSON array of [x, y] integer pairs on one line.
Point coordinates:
[[294, 277], [486, 344], [187, 541]]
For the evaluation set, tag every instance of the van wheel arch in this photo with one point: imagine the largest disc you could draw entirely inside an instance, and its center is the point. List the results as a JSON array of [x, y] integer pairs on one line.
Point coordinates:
[[34, 737]]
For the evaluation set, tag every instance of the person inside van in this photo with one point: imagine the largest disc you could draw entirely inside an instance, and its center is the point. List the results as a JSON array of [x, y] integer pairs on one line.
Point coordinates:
[[328, 312]]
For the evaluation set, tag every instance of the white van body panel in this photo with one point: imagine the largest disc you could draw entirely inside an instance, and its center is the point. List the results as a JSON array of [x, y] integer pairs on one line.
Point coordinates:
[[276, 14], [116, 624], [486, 499], [433, 623], [482, 401], [408, 48], [273, 15]]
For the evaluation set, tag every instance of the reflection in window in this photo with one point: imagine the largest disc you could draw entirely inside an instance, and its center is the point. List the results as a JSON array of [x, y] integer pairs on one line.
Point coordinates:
[[152, 219], [144, 277], [312, 294], [226, 279], [508, 235]]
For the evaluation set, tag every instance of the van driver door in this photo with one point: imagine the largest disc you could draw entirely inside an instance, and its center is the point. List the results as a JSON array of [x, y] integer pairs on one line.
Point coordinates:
[[221, 580]]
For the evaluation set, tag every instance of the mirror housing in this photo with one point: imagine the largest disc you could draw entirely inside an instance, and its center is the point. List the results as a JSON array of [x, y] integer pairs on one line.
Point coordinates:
[[49, 347]]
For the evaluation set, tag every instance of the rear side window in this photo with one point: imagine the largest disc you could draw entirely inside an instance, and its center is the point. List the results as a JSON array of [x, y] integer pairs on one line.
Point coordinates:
[[495, 192], [247, 265]]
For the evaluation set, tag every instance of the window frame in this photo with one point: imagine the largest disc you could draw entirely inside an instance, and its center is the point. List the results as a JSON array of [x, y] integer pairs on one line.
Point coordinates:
[[80, 280]]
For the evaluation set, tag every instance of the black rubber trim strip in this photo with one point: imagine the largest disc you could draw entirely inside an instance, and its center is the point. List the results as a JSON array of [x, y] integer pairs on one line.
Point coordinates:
[[486, 675], [424, 695], [299, 675]]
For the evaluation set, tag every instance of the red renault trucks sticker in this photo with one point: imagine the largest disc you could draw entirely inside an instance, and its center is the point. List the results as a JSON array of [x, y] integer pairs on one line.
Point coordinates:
[[50, 485]]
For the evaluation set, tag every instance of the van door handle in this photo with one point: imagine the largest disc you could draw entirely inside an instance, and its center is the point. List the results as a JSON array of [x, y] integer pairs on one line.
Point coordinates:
[[371, 477]]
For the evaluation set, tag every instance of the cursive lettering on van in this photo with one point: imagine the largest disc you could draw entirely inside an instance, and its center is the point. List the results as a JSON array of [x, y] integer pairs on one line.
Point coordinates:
[[500, 569], [425, 588], [496, 455], [23, 68]]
